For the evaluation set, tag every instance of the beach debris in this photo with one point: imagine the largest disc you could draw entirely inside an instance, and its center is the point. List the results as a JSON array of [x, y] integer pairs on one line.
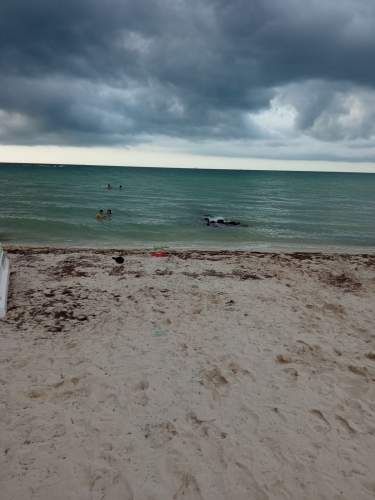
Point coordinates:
[[58, 327], [371, 355], [283, 358], [304, 255], [159, 333], [119, 260], [347, 283], [214, 273], [243, 275], [68, 268], [159, 253], [81, 317], [191, 274], [236, 274], [163, 272], [117, 271], [63, 314]]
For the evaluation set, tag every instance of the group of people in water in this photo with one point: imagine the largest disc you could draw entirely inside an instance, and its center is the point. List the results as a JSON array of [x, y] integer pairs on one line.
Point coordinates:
[[209, 220], [100, 215]]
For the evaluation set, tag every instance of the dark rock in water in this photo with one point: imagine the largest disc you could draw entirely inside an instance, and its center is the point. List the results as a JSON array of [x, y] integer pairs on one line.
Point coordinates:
[[119, 260]]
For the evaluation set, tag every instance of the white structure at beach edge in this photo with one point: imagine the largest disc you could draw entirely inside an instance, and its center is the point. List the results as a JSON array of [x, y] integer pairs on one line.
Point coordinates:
[[4, 281]]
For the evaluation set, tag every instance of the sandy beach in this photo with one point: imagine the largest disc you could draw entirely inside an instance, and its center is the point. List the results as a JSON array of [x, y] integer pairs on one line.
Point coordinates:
[[200, 375]]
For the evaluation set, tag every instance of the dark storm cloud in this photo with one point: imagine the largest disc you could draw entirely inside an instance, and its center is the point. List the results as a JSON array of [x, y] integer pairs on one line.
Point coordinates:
[[116, 71]]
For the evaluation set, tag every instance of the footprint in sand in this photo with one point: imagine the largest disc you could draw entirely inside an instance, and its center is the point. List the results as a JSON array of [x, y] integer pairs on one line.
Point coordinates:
[[359, 370], [243, 478], [218, 380], [188, 488], [317, 413], [66, 388], [108, 484], [236, 370], [336, 309], [345, 424], [215, 381], [140, 397], [206, 427], [160, 434]]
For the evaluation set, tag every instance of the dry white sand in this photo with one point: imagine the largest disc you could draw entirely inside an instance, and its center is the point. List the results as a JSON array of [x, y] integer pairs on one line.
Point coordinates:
[[197, 376]]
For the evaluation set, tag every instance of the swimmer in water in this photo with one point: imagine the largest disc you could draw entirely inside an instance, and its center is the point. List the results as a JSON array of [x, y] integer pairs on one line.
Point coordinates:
[[109, 212], [214, 221], [99, 215], [109, 187]]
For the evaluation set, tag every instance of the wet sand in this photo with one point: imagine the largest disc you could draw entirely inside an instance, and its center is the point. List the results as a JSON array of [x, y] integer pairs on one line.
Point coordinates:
[[200, 375]]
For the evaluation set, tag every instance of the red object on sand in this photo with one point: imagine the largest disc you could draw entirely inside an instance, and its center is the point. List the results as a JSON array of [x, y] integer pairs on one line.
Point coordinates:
[[159, 253]]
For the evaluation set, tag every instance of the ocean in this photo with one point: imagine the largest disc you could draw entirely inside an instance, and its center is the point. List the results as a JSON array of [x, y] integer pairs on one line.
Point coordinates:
[[56, 205]]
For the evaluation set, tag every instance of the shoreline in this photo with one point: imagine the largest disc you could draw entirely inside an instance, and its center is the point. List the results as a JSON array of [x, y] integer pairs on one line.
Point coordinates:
[[182, 252]]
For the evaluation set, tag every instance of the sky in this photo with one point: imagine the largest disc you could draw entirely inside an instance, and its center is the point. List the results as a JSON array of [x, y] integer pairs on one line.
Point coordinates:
[[284, 84]]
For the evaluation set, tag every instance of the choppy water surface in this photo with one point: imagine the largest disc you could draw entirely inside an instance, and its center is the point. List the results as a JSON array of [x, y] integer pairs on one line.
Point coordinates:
[[164, 207]]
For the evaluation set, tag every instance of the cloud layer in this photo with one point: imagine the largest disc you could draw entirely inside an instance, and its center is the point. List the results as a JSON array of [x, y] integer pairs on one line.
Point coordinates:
[[271, 78]]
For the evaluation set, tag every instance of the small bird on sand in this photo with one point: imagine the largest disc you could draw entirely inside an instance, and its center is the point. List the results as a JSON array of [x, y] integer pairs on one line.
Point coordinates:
[[119, 260]]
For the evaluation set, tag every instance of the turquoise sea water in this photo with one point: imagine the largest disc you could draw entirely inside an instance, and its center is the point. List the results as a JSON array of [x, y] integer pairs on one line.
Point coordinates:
[[56, 205]]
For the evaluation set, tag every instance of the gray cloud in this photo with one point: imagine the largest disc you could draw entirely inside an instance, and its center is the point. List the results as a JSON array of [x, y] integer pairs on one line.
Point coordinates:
[[121, 72]]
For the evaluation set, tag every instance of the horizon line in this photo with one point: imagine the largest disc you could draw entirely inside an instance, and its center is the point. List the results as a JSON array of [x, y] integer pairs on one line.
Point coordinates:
[[175, 167], [159, 158]]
